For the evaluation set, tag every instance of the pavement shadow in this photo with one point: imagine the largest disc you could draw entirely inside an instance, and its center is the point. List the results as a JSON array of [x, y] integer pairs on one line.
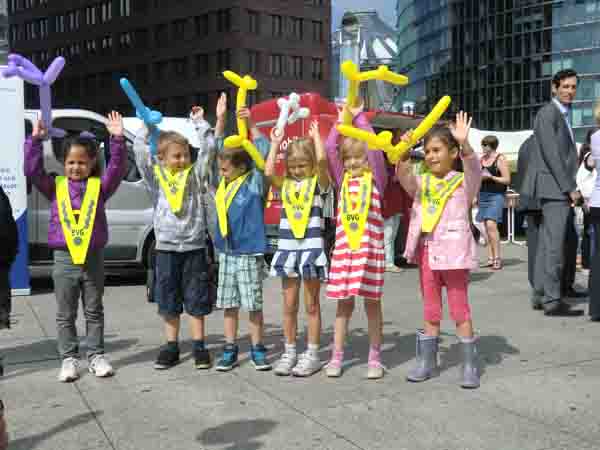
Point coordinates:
[[238, 434], [476, 277], [31, 442], [492, 350]]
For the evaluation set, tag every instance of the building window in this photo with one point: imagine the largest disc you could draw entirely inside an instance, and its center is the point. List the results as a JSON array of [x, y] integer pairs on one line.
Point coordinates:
[[179, 29], [296, 67], [201, 65], [90, 15], [253, 61], [317, 31], [140, 38], [59, 25], [223, 60], [125, 8], [201, 25], [276, 25], [125, 40], [276, 65], [317, 69], [296, 28], [161, 35], [90, 47], [254, 22], [106, 11], [223, 20], [107, 43], [180, 68]]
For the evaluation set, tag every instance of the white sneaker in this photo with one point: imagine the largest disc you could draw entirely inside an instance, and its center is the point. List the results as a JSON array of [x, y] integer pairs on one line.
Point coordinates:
[[285, 364], [69, 370], [100, 366], [307, 366]]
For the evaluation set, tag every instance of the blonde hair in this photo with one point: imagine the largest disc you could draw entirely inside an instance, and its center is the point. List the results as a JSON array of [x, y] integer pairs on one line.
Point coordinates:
[[597, 112], [302, 148], [168, 138], [349, 144]]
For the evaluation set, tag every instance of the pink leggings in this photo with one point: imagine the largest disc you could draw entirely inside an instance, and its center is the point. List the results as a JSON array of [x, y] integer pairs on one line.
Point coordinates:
[[456, 282]]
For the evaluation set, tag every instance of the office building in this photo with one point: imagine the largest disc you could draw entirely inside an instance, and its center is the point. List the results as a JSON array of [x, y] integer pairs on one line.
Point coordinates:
[[173, 51], [496, 58], [3, 31]]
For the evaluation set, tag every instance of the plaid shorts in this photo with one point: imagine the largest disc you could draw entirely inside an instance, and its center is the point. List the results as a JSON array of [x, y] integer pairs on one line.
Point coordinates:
[[240, 282]]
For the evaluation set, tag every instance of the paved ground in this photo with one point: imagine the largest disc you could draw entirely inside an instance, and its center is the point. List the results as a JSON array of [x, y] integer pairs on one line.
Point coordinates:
[[540, 390]]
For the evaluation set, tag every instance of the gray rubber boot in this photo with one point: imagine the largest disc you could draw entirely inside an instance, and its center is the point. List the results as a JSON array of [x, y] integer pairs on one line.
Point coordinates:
[[426, 364], [470, 369]]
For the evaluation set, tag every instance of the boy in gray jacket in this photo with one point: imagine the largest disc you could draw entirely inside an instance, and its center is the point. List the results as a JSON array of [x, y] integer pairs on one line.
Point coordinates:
[[181, 266]]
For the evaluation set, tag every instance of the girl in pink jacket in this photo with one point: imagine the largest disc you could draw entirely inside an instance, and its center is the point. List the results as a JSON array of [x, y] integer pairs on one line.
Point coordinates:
[[440, 241]]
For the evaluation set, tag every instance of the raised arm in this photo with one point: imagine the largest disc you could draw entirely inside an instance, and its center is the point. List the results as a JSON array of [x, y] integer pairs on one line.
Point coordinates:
[[202, 167], [334, 163], [472, 167], [34, 162], [406, 177], [271, 160], [376, 158], [322, 166], [117, 166], [143, 159]]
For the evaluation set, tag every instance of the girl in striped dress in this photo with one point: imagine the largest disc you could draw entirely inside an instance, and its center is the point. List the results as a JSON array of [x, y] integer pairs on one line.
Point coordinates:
[[300, 256], [358, 261]]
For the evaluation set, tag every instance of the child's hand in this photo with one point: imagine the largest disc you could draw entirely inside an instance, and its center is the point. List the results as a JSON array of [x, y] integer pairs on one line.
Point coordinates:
[[460, 129], [222, 106], [352, 111], [314, 131], [197, 114], [115, 124], [39, 130], [276, 137], [244, 113]]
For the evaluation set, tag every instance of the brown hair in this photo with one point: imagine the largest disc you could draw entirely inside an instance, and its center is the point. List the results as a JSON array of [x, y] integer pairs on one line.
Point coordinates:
[[349, 144], [238, 157], [168, 138], [445, 135], [91, 149], [490, 141], [303, 148]]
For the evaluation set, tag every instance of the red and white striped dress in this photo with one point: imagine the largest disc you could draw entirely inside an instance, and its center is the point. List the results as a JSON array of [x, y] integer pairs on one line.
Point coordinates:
[[359, 272]]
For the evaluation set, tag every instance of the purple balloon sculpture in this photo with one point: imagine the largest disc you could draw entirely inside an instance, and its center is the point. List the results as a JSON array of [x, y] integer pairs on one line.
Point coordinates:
[[19, 66]]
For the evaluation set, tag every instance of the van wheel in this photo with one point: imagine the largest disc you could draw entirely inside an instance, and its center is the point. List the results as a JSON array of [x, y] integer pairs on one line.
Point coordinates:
[[149, 264]]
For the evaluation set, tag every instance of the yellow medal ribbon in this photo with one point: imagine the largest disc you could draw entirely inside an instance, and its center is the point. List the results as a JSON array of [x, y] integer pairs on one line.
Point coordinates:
[[77, 232], [434, 195], [173, 185], [354, 214], [223, 198], [297, 202]]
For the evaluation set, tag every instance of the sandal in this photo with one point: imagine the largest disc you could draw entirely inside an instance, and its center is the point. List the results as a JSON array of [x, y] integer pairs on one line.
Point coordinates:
[[497, 265], [489, 263]]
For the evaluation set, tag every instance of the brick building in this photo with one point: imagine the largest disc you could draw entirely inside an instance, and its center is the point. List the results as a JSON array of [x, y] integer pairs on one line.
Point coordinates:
[[173, 51]]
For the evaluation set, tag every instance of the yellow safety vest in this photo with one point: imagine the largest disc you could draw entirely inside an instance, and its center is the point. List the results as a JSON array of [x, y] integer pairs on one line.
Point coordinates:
[[354, 213], [77, 232], [223, 198], [297, 203], [435, 192], [173, 185]]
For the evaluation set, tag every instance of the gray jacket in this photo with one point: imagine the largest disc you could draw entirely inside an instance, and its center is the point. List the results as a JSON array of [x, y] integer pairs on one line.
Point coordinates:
[[552, 162], [185, 231]]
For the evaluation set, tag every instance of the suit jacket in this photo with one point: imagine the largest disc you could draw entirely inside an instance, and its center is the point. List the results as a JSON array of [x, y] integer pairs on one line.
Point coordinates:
[[552, 164], [527, 204]]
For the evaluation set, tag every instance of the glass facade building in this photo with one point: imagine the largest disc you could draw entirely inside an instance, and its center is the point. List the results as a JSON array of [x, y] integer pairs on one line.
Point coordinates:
[[496, 58]]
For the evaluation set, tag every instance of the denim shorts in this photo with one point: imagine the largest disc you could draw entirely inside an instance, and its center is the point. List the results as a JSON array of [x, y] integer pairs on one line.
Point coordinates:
[[182, 281], [491, 206]]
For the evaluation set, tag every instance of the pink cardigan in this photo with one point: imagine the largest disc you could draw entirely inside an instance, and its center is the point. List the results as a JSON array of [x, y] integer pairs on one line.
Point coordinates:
[[451, 244]]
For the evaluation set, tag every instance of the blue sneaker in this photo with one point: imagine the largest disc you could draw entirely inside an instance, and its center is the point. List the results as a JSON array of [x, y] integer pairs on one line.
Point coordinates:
[[259, 357], [229, 360]]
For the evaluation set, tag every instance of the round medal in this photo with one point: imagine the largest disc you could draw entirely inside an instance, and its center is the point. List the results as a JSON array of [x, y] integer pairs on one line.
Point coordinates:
[[173, 190], [77, 241], [297, 215], [431, 209], [354, 226]]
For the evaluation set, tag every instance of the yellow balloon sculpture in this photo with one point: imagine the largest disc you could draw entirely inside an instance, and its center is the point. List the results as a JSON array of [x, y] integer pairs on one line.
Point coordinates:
[[245, 84], [383, 140]]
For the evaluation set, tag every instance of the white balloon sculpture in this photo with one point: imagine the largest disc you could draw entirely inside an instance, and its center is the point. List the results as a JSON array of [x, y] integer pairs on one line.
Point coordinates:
[[290, 112]]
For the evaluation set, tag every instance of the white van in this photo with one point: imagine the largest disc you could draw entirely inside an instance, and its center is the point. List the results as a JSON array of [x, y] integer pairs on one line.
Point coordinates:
[[129, 211]]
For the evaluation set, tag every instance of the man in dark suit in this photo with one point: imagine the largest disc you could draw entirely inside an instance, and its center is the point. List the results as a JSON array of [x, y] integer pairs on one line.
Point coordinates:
[[550, 178]]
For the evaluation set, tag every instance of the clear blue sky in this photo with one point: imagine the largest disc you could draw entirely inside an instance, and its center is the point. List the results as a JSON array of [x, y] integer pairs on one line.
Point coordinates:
[[385, 8]]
